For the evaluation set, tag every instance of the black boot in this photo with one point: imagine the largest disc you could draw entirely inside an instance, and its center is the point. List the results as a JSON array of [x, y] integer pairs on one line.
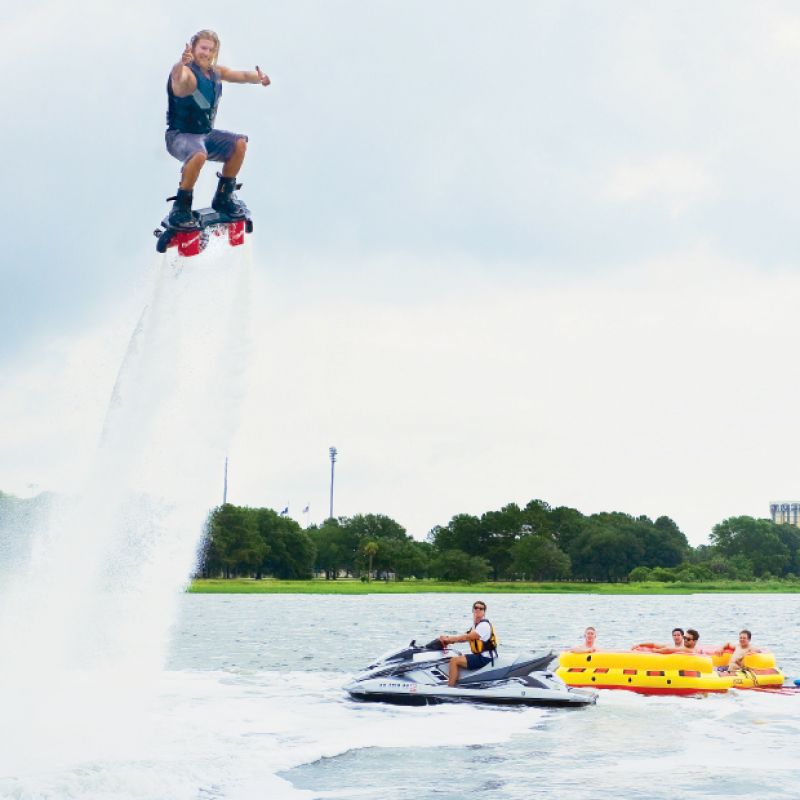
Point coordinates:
[[225, 201], [181, 215]]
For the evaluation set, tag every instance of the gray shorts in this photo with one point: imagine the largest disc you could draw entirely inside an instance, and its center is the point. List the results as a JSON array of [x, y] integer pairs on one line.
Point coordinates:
[[217, 145]]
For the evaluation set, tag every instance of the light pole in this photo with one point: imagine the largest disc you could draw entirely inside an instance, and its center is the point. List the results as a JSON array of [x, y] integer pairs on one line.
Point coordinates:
[[332, 451]]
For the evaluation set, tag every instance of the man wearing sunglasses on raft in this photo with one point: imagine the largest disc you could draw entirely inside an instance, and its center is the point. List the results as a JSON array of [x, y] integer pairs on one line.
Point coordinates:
[[482, 643], [690, 639]]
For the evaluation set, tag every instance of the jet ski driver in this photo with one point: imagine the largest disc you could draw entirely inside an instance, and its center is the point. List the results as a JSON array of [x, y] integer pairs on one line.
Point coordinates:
[[194, 88], [482, 642]]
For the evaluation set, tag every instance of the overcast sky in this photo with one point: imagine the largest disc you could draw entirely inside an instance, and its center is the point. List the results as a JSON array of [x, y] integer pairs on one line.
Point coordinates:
[[503, 252]]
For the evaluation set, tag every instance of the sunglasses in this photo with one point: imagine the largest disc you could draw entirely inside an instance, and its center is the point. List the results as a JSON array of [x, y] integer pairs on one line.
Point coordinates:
[[479, 608], [688, 638]]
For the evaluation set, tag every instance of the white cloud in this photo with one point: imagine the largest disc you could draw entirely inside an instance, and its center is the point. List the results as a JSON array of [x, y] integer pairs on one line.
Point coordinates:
[[786, 36], [677, 182]]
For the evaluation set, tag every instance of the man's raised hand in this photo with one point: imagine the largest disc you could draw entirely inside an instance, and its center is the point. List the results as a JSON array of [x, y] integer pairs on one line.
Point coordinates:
[[262, 78], [187, 56]]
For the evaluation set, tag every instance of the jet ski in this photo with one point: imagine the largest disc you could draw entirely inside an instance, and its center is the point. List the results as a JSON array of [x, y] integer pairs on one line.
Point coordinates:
[[417, 675]]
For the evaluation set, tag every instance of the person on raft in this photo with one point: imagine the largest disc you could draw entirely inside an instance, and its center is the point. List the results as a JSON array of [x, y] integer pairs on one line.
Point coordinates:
[[482, 642], [690, 639], [688, 643], [742, 649], [677, 639], [589, 637], [193, 92]]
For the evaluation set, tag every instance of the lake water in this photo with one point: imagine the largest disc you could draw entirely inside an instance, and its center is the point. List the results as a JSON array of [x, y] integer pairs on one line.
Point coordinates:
[[250, 705]]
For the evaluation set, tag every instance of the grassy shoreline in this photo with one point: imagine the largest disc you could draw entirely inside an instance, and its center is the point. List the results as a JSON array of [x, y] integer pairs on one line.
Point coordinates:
[[356, 587]]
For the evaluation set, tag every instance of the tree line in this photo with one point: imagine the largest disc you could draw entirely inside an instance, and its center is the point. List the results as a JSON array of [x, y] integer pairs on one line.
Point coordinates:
[[532, 543]]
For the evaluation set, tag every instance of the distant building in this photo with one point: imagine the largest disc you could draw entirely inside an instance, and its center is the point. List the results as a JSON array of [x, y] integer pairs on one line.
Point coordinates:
[[785, 513]]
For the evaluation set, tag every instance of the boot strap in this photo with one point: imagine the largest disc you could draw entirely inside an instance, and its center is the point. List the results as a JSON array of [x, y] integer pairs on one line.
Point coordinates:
[[236, 186]]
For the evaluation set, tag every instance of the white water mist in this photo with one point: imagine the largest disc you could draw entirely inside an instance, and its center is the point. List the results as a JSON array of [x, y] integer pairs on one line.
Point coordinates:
[[99, 590]]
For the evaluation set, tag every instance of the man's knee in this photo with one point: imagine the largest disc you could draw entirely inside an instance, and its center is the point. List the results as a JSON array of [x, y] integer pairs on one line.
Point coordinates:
[[197, 160], [241, 147]]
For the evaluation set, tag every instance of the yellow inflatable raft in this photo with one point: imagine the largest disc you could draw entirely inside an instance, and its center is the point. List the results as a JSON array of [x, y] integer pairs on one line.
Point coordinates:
[[656, 673], [760, 670]]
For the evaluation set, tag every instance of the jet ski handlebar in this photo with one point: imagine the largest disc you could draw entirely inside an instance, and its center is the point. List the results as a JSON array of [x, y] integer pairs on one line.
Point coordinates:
[[434, 644]]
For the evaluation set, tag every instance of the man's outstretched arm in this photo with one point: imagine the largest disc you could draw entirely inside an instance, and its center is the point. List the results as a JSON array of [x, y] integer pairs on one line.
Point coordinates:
[[243, 76]]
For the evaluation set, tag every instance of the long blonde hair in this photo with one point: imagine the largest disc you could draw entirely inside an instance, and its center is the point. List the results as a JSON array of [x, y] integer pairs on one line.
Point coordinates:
[[206, 34]]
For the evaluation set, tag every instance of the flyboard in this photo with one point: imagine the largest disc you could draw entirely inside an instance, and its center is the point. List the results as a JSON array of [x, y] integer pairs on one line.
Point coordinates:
[[192, 239]]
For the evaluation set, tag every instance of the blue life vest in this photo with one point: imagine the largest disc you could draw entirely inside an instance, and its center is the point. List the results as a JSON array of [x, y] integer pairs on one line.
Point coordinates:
[[195, 113]]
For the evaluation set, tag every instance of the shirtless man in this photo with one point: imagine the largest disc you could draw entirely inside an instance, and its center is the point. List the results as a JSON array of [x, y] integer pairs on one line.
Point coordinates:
[[741, 650], [193, 90], [589, 637]]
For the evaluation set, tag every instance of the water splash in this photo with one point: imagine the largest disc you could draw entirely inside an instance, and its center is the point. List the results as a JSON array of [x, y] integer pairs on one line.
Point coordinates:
[[102, 579]]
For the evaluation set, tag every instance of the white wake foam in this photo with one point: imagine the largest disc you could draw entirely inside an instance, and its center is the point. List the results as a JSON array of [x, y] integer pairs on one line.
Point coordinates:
[[218, 734]]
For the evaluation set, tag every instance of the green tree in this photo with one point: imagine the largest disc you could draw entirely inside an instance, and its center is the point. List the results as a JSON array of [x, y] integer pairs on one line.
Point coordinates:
[[377, 527], [539, 558], [663, 575], [640, 574], [336, 548], [755, 539], [665, 545], [742, 568], [790, 538], [291, 552], [370, 550], [702, 553], [605, 552], [234, 547], [455, 565], [693, 573], [413, 560], [464, 532], [537, 518], [718, 565], [501, 529], [568, 526]]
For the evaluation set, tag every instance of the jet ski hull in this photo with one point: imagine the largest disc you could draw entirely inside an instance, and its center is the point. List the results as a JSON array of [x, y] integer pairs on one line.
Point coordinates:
[[414, 695]]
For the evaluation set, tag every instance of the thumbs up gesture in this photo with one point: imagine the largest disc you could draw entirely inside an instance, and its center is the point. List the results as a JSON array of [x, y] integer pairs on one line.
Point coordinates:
[[262, 78]]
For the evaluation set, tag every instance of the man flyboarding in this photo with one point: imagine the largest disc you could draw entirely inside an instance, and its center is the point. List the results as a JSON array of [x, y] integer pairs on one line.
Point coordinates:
[[193, 89]]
